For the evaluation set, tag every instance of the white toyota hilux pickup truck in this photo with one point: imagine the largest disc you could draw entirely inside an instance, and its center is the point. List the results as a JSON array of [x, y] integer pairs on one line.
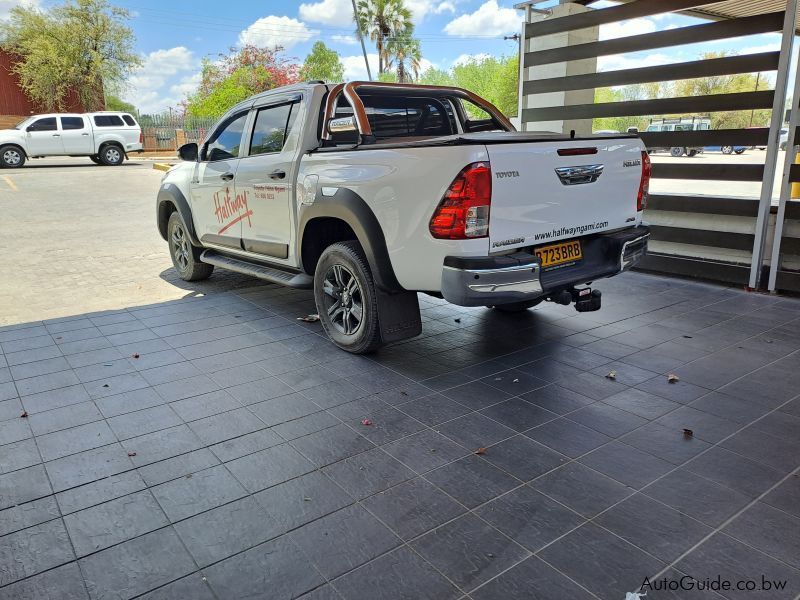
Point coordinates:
[[371, 192], [105, 137]]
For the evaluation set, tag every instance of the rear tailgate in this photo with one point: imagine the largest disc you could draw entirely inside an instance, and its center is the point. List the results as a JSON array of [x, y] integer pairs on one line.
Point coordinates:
[[531, 206]]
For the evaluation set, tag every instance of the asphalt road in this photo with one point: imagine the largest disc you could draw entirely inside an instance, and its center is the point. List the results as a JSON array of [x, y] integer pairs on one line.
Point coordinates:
[[77, 237]]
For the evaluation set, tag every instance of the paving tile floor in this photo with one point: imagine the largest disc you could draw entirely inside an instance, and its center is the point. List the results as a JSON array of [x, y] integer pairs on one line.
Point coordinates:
[[216, 447]]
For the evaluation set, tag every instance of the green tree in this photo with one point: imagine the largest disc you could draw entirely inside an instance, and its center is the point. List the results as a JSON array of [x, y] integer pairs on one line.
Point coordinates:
[[404, 53], [322, 63], [82, 45], [116, 103], [494, 79], [434, 76], [382, 20], [238, 75]]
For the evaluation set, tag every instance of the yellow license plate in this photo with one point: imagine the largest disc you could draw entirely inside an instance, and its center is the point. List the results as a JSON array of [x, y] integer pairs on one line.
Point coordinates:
[[558, 254]]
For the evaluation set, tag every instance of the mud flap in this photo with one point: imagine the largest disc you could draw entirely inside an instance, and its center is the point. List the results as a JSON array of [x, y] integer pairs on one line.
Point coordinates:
[[398, 315]]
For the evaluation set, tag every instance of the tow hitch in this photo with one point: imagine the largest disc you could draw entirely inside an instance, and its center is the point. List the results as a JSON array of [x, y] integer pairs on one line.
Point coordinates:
[[585, 299]]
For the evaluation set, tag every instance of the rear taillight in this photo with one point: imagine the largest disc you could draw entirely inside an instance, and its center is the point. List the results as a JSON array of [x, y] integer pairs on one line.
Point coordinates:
[[464, 210], [644, 184], [141, 137]]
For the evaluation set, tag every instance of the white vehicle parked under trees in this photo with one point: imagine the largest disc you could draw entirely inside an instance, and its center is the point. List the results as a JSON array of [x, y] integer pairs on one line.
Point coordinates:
[[105, 137], [372, 192]]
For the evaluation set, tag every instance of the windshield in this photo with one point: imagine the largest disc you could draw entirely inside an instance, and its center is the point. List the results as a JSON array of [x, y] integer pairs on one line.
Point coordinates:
[[24, 123]]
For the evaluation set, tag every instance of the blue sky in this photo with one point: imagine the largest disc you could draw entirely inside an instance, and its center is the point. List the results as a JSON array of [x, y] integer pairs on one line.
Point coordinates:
[[174, 36]]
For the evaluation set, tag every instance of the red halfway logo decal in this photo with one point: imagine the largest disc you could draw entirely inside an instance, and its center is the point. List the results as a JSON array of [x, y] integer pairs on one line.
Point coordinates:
[[226, 207]]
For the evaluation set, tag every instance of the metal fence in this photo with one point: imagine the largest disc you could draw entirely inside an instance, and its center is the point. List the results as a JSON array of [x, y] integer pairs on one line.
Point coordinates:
[[167, 132]]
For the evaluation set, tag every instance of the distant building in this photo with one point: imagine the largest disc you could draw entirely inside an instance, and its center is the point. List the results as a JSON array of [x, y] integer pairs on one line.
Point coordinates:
[[14, 103]]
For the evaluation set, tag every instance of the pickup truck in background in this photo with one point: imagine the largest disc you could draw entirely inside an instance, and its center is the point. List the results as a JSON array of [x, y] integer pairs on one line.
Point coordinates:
[[105, 137], [372, 192]]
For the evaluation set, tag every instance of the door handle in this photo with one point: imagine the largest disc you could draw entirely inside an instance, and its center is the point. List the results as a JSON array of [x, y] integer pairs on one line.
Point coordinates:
[[56, 135], [84, 134], [277, 174], [226, 176]]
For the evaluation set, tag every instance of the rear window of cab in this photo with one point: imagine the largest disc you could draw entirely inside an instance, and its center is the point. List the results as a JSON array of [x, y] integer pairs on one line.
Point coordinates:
[[108, 121]]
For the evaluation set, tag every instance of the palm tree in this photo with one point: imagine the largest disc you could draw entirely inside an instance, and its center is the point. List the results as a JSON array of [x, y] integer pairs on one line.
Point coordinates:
[[383, 20], [401, 49]]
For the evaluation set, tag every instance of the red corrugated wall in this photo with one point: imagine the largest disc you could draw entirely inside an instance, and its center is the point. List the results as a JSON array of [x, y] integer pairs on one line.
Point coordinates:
[[13, 100]]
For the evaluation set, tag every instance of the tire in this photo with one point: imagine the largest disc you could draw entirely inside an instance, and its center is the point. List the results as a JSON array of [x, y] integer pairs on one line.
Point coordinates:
[[11, 157], [676, 151], [517, 307], [111, 155], [691, 153], [741, 150], [727, 149], [185, 257], [95, 159], [347, 302]]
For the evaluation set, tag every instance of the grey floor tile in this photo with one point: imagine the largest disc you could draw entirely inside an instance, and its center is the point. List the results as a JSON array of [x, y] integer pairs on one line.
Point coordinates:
[[786, 496], [609, 565], [181, 465], [469, 552], [197, 492], [291, 430], [118, 384], [14, 431], [529, 517], [19, 455], [344, 540], [144, 421], [696, 496], [205, 405], [398, 575], [670, 444], [368, 473], [596, 387], [334, 393], [194, 587], [472, 480], [646, 405], [246, 444], [523, 458], [413, 507], [277, 568], [28, 514], [532, 579], [734, 471], [425, 451], [478, 394], [475, 431], [64, 418], [583, 490], [226, 530], [225, 426], [434, 409], [185, 388], [557, 399], [515, 382], [269, 467], [100, 491], [770, 530], [128, 402], [606, 419], [33, 550], [780, 425], [259, 391], [88, 466], [626, 464], [170, 372], [284, 408], [659, 530], [332, 444], [112, 522], [76, 439], [61, 583], [137, 566], [44, 383], [728, 407], [734, 561], [163, 444], [681, 392], [302, 500], [49, 400], [519, 415], [705, 426], [10, 409], [568, 437]]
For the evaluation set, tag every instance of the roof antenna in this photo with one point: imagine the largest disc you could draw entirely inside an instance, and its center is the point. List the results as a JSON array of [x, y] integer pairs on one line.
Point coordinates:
[[572, 134]]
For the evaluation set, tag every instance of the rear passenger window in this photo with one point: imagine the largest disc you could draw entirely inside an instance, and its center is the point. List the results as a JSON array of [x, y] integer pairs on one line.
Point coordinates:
[[107, 121], [72, 123], [128, 120], [271, 128]]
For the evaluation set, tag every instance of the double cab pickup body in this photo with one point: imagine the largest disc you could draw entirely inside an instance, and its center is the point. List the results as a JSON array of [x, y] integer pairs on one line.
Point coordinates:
[[371, 192]]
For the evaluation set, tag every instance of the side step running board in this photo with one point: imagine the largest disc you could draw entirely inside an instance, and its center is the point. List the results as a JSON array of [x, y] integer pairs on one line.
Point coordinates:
[[295, 280]]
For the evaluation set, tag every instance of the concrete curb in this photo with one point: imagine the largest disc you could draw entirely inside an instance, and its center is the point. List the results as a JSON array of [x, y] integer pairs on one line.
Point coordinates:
[[162, 166]]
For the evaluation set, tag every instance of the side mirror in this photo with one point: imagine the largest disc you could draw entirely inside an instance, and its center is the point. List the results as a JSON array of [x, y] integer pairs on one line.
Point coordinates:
[[342, 125], [633, 130], [188, 152], [29, 128]]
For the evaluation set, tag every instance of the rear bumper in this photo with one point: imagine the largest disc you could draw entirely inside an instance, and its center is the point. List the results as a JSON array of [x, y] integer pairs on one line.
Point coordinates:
[[518, 277]]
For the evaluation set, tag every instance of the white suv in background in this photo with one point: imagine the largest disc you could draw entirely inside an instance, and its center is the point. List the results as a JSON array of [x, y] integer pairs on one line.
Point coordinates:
[[105, 137]]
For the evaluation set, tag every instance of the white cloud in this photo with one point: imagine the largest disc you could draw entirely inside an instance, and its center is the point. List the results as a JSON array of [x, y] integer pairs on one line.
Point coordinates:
[[489, 20], [761, 48], [422, 8], [7, 5], [465, 58], [349, 40], [620, 62], [274, 31], [152, 88], [627, 28], [354, 68], [336, 13]]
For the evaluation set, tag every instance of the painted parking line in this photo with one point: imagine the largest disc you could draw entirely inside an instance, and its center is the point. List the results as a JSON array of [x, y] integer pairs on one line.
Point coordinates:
[[10, 183]]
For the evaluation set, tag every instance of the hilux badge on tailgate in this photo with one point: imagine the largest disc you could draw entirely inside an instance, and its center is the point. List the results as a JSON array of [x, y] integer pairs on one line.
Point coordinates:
[[634, 162]]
